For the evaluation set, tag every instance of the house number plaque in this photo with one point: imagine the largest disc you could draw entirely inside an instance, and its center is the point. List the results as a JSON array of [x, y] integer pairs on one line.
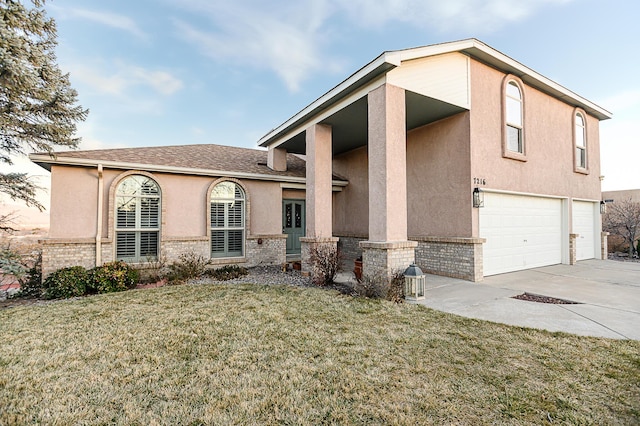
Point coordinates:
[[479, 181]]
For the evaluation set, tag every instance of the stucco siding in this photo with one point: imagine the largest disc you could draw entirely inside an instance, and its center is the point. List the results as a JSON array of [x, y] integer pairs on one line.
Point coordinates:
[[266, 207], [74, 202], [351, 205], [548, 138], [444, 77], [439, 200]]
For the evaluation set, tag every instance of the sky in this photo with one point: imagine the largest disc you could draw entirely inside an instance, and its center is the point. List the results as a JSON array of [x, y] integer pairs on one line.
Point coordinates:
[[170, 72]]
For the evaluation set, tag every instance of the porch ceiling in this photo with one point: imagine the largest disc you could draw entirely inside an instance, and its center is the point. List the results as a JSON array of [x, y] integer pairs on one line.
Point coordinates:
[[349, 125]]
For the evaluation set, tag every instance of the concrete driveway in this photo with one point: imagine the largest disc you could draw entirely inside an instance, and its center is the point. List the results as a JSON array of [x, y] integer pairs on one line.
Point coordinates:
[[608, 293]]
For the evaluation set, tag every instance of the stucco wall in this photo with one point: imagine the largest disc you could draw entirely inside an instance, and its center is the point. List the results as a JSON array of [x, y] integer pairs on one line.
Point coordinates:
[[351, 205], [437, 181], [73, 212], [548, 138], [74, 202], [439, 202]]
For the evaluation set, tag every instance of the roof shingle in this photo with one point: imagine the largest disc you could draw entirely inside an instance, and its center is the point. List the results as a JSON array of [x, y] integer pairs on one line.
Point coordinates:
[[206, 157]]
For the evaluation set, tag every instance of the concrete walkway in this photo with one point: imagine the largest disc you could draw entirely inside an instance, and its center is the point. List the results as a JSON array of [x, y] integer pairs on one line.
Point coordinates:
[[608, 293]]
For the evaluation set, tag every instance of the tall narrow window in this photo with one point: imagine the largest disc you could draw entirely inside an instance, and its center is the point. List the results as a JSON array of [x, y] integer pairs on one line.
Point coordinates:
[[137, 219], [227, 220], [514, 119], [581, 141]]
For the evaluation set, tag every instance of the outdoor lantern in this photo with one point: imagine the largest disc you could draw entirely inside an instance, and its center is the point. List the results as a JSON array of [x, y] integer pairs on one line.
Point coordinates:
[[478, 198], [603, 207], [414, 283]]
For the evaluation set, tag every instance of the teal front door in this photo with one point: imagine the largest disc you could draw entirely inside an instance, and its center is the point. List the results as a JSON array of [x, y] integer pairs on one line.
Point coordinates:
[[293, 224]]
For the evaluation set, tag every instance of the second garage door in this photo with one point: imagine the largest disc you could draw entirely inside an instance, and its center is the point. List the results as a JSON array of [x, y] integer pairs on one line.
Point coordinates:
[[584, 225], [521, 232]]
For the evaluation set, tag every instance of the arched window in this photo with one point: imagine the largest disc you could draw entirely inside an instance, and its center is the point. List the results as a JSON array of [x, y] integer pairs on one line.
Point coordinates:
[[137, 228], [227, 220], [514, 118], [580, 141]]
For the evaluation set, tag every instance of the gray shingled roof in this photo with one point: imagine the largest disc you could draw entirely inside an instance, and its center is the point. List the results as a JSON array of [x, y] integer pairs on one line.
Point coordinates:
[[207, 157]]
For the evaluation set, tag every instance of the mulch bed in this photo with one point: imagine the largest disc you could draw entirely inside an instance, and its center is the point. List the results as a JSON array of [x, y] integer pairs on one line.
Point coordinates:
[[530, 297]]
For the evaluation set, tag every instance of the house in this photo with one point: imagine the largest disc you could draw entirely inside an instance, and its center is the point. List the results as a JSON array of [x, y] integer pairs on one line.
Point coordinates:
[[621, 195], [453, 155]]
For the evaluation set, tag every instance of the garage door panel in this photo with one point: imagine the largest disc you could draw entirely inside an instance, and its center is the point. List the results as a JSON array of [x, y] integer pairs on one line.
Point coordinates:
[[521, 232], [584, 224]]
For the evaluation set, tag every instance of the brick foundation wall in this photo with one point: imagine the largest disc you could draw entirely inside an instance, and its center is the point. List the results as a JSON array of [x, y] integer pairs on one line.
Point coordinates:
[[306, 244], [172, 248], [266, 250], [386, 258], [58, 254], [451, 257], [260, 250], [349, 246]]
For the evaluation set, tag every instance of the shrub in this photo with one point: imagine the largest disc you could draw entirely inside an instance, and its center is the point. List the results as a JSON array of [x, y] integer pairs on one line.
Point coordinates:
[[372, 286], [112, 277], [326, 261], [228, 272], [378, 285], [65, 283], [395, 291], [189, 265], [31, 283], [154, 270]]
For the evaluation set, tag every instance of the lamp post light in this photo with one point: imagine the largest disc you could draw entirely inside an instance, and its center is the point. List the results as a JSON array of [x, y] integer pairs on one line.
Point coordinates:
[[414, 283]]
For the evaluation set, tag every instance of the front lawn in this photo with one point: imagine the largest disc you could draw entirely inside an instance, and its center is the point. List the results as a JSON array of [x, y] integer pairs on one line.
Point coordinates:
[[251, 354]]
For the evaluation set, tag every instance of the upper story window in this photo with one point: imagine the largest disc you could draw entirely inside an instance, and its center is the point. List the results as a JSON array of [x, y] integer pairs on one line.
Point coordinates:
[[580, 136], [227, 220], [514, 118], [137, 227]]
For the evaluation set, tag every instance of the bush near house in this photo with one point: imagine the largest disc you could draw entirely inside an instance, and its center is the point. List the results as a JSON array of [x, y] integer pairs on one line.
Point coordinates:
[[65, 283], [111, 277], [326, 261], [78, 281], [226, 273]]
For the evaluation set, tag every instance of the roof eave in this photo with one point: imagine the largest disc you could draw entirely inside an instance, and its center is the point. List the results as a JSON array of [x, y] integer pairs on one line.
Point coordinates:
[[46, 161], [392, 59], [379, 66]]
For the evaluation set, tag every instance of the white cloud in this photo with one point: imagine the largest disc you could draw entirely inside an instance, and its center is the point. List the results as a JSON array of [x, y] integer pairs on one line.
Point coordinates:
[[458, 15], [287, 38], [124, 78], [292, 39], [109, 19]]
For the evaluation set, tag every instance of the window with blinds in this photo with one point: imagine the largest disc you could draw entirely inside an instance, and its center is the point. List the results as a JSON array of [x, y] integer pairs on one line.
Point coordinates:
[[137, 229], [227, 220]]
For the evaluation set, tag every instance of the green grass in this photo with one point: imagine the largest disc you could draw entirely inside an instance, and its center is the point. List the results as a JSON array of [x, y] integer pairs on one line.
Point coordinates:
[[280, 355]]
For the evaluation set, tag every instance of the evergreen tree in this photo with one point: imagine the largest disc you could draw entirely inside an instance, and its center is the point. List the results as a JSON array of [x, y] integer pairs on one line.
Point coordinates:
[[38, 109]]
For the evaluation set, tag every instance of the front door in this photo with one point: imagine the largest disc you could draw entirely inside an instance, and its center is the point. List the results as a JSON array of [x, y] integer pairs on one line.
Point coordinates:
[[293, 224]]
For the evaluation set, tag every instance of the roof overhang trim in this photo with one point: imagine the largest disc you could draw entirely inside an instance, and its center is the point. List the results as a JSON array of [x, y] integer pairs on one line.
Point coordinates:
[[46, 161], [392, 59]]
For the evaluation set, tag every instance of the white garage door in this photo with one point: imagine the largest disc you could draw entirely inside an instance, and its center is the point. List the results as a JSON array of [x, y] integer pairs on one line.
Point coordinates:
[[583, 219], [521, 232]]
